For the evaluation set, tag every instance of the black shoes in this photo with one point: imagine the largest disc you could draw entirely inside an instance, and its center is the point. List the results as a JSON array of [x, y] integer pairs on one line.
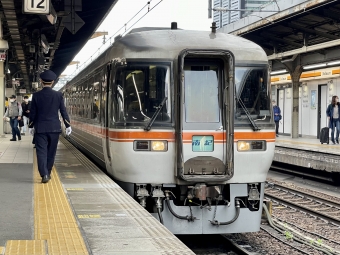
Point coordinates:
[[277, 135], [13, 139], [19, 138], [45, 178]]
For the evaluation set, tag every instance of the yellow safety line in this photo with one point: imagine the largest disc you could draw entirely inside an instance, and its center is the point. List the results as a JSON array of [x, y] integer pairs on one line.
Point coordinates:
[[2, 249], [55, 228]]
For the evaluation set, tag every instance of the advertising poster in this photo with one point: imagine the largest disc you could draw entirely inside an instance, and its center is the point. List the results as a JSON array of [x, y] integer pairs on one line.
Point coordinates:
[[313, 99]]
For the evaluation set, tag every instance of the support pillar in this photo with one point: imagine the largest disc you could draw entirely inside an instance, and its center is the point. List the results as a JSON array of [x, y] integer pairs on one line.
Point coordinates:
[[295, 69], [2, 96]]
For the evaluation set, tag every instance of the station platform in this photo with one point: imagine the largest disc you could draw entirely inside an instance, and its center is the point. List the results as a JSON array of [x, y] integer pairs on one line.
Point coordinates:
[[307, 152], [79, 211]]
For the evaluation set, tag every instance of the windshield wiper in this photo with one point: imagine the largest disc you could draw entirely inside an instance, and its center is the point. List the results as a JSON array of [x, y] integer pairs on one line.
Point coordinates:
[[255, 127], [154, 116], [137, 94]]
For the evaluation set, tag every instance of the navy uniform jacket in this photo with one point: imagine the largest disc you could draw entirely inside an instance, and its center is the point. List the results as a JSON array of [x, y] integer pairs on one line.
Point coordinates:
[[45, 107]]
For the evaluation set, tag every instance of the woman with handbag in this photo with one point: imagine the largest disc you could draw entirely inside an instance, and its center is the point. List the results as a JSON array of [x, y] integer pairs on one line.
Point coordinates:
[[333, 115]]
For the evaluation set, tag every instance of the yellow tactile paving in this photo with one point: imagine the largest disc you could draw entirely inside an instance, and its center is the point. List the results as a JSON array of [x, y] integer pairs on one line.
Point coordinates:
[[2, 250], [53, 218], [55, 228], [25, 247]]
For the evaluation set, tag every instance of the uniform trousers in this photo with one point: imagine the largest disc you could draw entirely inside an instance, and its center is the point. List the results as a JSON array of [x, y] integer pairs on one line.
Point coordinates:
[[46, 148]]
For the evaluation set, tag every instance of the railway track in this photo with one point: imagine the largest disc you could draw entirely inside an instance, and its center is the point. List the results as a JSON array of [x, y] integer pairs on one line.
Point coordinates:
[[217, 244], [238, 248], [316, 206]]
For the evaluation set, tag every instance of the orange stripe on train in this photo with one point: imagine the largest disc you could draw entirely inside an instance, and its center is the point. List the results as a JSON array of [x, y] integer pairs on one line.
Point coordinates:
[[126, 136]]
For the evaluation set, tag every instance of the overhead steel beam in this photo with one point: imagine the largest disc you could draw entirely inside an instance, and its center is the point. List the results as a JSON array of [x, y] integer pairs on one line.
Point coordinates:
[[12, 23], [312, 31], [254, 24], [305, 49], [331, 14], [276, 39]]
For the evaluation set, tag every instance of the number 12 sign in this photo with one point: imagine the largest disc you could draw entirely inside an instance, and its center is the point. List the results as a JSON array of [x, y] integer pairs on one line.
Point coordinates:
[[36, 6]]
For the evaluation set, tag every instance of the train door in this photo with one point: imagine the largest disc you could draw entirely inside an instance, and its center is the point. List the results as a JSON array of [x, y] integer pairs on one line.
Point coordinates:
[[281, 103], [205, 147], [322, 107], [107, 103]]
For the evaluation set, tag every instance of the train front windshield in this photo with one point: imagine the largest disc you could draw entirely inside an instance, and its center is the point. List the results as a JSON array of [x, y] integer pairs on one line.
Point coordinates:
[[252, 96], [140, 89]]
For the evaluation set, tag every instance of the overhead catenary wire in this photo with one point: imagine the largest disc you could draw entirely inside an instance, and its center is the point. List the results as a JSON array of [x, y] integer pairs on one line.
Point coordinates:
[[147, 4], [149, 10], [112, 37]]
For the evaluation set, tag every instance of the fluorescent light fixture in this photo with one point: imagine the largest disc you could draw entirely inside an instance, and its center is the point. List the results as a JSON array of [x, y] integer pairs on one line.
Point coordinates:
[[334, 63], [279, 72], [52, 17], [44, 43], [314, 66]]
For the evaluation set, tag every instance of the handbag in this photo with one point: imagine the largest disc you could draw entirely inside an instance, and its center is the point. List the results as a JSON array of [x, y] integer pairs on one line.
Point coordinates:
[[21, 123]]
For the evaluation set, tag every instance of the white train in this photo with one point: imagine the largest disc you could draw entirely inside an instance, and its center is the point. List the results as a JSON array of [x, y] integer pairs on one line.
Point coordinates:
[[182, 121]]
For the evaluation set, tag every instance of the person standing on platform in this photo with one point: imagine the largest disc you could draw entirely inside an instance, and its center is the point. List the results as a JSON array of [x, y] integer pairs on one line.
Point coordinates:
[[333, 118], [26, 107], [45, 124], [277, 116], [6, 103], [14, 112]]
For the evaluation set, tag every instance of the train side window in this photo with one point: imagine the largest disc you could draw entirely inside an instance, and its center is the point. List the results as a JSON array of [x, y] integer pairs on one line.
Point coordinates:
[[103, 88], [95, 102]]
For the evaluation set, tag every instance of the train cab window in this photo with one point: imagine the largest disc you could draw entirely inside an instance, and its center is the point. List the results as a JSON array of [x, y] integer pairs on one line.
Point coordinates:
[[139, 90], [253, 95], [201, 93]]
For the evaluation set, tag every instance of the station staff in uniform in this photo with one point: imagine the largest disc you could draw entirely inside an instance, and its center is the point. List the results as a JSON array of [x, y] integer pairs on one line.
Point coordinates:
[[45, 124]]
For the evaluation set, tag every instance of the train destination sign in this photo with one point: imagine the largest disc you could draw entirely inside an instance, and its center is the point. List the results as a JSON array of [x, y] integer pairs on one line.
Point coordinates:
[[202, 143], [36, 6]]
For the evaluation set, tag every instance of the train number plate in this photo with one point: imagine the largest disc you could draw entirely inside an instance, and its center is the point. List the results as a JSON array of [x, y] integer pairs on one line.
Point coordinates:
[[202, 143]]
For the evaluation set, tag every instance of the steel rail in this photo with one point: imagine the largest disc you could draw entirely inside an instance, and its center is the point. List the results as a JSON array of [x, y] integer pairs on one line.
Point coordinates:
[[233, 246], [321, 215], [325, 201]]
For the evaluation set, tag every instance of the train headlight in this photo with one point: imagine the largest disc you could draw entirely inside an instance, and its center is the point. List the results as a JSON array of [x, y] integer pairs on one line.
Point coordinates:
[[243, 146], [146, 145], [251, 145], [159, 145]]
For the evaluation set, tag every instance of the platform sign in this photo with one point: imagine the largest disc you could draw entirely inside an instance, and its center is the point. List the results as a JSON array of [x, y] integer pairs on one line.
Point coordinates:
[[36, 6]]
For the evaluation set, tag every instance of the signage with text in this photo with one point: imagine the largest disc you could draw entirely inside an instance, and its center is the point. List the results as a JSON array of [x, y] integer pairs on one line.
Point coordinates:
[[36, 6]]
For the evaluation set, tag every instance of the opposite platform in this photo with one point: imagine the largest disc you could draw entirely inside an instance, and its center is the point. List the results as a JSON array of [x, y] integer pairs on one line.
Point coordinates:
[[307, 152]]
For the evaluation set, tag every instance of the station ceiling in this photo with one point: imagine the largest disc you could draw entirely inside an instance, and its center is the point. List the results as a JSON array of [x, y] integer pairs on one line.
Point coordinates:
[[301, 27], [27, 55]]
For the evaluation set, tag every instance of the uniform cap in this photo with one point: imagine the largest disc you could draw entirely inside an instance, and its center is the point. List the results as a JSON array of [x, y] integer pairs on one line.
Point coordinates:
[[13, 96], [48, 76]]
